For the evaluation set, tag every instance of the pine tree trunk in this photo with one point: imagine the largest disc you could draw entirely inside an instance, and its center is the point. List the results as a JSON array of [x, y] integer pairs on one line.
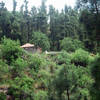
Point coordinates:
[[68, 94]]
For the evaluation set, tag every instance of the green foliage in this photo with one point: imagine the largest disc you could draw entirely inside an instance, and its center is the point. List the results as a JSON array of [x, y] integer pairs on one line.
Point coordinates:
[[80, 58], [41, 95], [18, 66], [95, 71], [55, 24], [64, 24], [35, 62], [0, 52], [44, 78], [70, 45], [73, 81], [90, 17], [22, 88], [84, 81], [95, 68], [64, 77], [20, 63], [62, 58], [10, 50], [2, 96], [40, 76], [51, 77], [4, 72], [41, 40], [4, 69]]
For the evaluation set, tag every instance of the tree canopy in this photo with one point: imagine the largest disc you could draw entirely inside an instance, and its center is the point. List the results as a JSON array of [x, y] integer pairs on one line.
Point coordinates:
[[72, 72]]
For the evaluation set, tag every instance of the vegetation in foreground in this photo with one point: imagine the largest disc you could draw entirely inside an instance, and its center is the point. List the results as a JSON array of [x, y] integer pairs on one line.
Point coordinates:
[[72, 74], [64, 76]]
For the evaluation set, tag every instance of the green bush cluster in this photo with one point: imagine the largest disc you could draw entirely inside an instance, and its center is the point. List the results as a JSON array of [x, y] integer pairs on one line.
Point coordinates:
[[10, 50], [35, 63], [95, 72], [2, 96], [80, 58], [41, 95], [47, 77], [62, 58], [70, 45], [72, 80]]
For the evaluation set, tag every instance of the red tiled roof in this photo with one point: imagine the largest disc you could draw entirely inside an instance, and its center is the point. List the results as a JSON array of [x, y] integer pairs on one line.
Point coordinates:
[[27, 45]]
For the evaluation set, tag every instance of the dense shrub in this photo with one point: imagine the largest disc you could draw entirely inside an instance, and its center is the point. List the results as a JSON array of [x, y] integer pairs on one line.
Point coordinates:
[[95, 71], [70, 45], [41, 95], [10, 50], [46, 77], [80, 58], [3, 96], [4, 72], [17, 67], [62, 58], [21, 88], [0, 52], [34, 62], [72, 80]]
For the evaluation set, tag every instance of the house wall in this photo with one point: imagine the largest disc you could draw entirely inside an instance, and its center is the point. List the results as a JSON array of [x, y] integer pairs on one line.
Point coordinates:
[[31, 50]]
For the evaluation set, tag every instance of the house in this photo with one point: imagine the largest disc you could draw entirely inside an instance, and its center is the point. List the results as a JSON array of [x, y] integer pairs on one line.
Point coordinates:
[[31, 48]]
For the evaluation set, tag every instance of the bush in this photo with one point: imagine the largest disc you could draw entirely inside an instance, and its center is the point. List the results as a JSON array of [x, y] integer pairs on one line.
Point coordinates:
[[10, 50], [72, 78], [80, 58], [35, 62], [0, 52], [18, 66], [95, 71], [62, 58], [44, 79], [41, 95], [2, 96], [21, 88], [41, 40], [4, 70], [70, 45]]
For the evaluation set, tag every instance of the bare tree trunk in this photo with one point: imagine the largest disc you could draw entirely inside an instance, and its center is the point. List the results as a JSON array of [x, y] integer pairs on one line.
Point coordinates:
[[96, 7], [68, 94]]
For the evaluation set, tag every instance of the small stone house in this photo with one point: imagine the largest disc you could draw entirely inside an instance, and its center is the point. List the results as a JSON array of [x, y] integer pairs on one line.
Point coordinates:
[[31, 48]]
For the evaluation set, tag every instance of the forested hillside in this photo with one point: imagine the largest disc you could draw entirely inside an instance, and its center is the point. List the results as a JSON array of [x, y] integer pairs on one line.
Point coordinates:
[[72, 73]]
